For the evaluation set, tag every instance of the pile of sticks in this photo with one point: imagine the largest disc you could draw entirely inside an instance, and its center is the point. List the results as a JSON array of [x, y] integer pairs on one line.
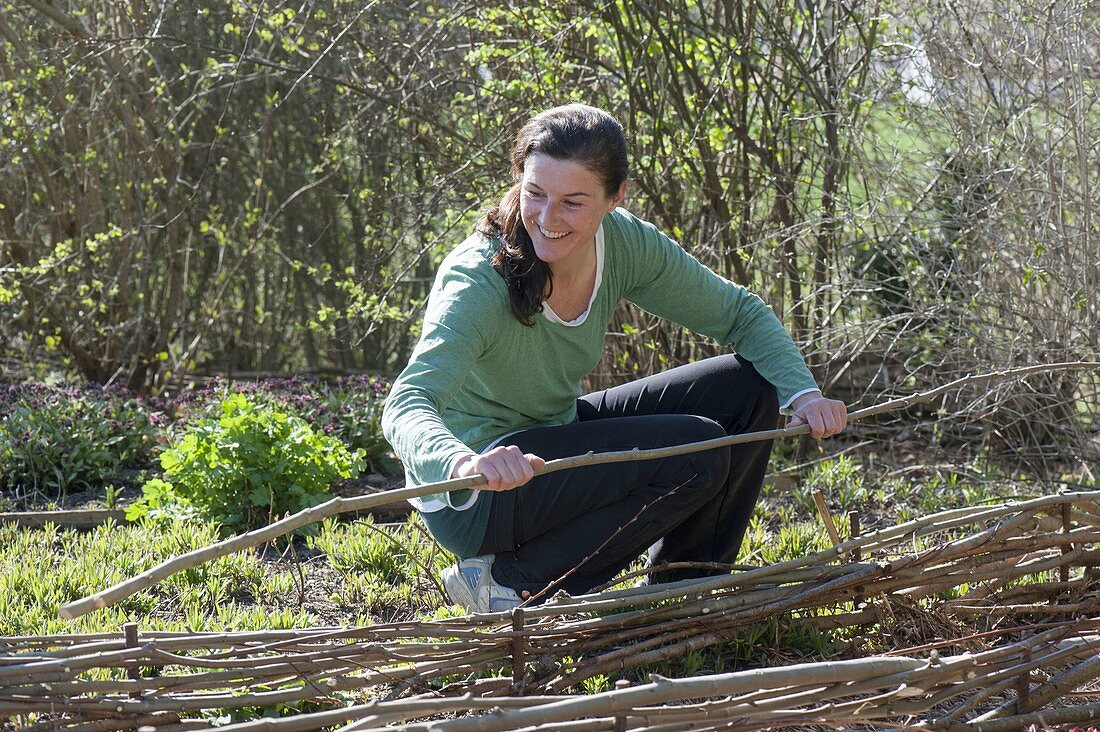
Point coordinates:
[[1024, 569]]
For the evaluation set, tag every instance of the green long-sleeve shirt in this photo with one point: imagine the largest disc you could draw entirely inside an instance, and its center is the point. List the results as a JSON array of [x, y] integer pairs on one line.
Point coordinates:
[[478, 374]]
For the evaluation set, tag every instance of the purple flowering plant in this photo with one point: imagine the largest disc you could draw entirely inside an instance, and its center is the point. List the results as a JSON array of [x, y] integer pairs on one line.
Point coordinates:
[[55, 439]]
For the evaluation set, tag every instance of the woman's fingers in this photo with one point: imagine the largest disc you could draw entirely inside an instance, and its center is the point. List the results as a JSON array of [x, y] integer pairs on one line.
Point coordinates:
[[825, 417], [834, 416], [493, 478], [816, 421], [505, 467], [840, 411], [513, 466]]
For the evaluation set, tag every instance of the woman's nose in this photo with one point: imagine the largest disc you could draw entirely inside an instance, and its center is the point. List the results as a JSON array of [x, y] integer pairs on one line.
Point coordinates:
[[546, 213]]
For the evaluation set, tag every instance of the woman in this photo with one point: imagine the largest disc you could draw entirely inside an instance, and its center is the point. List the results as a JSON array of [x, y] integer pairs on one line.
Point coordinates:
[[516, 318]]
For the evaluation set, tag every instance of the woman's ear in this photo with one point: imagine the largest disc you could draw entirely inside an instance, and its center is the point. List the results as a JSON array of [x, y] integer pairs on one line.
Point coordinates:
[[617, 200]]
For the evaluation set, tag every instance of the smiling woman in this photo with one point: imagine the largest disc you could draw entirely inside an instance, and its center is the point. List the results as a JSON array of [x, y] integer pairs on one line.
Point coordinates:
[[516, 319], [570, 166], [562, 205]]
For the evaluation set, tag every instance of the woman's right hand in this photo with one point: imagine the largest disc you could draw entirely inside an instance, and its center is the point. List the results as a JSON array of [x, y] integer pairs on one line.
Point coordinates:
[[505, 467]]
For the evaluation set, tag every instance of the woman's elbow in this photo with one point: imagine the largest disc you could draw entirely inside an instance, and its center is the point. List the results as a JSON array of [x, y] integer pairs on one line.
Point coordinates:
[[388, 420]]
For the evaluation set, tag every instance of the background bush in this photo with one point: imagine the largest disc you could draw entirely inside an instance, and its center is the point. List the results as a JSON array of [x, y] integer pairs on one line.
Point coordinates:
[[55, 439], [348, 408], [257, 186]]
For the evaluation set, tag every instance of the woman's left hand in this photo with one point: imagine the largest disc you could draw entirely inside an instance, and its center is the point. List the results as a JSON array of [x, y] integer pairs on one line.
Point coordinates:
[[826, 417]]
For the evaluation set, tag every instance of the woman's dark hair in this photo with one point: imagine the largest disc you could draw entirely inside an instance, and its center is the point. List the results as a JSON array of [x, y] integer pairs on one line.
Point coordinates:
[[574, 132]]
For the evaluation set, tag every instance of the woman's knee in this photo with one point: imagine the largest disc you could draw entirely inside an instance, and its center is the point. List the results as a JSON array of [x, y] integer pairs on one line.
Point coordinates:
[[696, 428], [754, 400], [711, 466]]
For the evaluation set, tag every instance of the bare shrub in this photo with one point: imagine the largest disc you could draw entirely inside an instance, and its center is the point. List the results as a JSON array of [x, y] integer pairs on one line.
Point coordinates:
[[253, 187]]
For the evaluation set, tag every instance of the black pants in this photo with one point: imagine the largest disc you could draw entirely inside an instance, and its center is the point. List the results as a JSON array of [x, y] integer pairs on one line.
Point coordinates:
[[692, 507]]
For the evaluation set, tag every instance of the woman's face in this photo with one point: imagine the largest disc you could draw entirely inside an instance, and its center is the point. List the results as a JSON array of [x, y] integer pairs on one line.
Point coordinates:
[[562, 204]]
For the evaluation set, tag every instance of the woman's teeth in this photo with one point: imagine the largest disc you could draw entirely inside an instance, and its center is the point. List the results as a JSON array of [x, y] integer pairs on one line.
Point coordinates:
[[551, 234]]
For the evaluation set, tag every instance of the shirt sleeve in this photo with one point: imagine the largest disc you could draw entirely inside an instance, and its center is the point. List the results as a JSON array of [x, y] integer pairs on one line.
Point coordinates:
[[670, 283], [457, 330]]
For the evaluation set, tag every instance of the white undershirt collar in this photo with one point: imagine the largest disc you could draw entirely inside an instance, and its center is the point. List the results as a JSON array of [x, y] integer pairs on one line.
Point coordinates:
[[579, 320]]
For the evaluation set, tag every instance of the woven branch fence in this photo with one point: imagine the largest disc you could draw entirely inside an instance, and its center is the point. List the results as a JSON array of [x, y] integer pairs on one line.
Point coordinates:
[[1007, 593]]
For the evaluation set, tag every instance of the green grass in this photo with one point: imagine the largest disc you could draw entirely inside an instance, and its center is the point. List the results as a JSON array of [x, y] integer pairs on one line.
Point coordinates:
[[884, 496], [390, 570], [382, 572], [42, 569]]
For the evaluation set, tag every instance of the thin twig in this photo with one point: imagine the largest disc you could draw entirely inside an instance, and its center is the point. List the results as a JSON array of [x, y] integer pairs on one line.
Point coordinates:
[[573, 570]]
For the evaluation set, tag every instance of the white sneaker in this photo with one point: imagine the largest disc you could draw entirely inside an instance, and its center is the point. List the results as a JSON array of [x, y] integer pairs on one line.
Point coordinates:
[[471, 585]]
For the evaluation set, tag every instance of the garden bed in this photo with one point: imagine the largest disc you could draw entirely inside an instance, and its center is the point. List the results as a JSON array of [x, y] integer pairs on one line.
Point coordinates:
[[369, 584]]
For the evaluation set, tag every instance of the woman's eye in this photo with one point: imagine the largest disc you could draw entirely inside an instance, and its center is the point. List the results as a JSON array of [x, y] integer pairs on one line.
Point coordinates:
[[573, 204]]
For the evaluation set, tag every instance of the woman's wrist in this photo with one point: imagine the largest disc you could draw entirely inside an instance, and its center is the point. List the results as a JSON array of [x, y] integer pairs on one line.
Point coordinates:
[[456, 471], [804, 398]]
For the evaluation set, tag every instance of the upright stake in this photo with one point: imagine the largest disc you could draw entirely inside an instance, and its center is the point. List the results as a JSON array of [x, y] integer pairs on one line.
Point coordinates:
[[857, 553], [517, 648], [1063, 571], [1023, 687], [620, 722], [853, 533], [826, 517], [131, 632]]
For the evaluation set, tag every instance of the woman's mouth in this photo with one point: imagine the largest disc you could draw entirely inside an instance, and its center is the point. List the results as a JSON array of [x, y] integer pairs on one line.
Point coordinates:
[[550, 234]]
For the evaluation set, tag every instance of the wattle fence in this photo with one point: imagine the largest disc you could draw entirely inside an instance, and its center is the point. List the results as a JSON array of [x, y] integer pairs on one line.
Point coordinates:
[[1004, 599]]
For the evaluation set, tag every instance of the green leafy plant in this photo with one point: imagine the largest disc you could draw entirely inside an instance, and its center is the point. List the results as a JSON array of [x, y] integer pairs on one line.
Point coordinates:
[[247, 467], [349, 408]]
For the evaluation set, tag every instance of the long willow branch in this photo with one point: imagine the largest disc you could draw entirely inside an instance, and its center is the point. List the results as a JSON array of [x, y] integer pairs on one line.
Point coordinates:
[[336, 506]]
